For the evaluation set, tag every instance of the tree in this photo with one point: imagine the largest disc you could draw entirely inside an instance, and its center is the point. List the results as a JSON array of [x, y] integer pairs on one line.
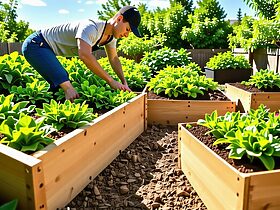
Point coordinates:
[[111, 7], [266, 9], [187, 5], [239, 15], [209, 9], [18, 30]]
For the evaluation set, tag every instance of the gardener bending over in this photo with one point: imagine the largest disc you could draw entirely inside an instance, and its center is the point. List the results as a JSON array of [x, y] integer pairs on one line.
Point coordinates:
[[80, 38]]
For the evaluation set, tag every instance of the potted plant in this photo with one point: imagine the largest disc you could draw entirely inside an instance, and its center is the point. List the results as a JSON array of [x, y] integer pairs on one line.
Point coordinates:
[[231, 160], [261, 88], [225, 68], [179, 94]]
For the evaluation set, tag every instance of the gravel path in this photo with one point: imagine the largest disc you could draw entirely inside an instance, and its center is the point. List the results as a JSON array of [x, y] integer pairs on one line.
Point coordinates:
[[144, 176]]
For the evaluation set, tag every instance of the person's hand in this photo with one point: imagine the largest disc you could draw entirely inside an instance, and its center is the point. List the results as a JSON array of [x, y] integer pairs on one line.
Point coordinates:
[[126, 87], [116, 85], [71, 94]]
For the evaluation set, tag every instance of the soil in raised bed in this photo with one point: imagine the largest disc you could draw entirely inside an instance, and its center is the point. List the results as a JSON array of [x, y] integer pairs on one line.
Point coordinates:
[[253, 89], [143, 176], [210, 95], [242, 165]]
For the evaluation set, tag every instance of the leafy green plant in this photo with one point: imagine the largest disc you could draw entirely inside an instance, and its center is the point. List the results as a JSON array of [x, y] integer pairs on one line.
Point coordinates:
[[253, 34], [264, 79], [9, 108], [25, 134], [66, 114], [159, 59], [181, 81], [207, 34], [137, 75], [14, 70], [227, 60], [35, 92], [255, 134], [134, 46], [11, 205]]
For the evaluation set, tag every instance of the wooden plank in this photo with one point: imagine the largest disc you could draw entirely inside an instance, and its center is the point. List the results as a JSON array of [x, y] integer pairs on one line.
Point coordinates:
[[241, 97], [172, 112], [72, 162], [270, 100], [265, 190], [246, 100], [3, 48], [15, 46], [217, 184], [21, 177]]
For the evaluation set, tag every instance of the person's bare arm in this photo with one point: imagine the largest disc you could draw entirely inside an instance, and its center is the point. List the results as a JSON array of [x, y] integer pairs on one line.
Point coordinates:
[[85, 54], [116, 64]]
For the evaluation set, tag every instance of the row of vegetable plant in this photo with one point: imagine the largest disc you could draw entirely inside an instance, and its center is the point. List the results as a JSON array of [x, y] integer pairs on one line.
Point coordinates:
[[254, 134]]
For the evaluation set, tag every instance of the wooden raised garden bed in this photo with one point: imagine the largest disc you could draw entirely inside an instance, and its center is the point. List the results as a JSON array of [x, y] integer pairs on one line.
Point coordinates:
[[246, 100], [172, 112], [52, 177], [220, 185], [223, 76]]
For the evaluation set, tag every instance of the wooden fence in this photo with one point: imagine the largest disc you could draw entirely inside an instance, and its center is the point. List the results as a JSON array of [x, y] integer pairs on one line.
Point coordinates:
[[261, 58]]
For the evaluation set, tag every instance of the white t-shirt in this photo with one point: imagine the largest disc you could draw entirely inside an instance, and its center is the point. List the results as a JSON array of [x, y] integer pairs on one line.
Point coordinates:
[[63, 38]]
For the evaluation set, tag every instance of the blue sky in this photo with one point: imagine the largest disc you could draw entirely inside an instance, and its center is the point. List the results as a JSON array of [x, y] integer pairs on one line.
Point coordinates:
[[46, 13]]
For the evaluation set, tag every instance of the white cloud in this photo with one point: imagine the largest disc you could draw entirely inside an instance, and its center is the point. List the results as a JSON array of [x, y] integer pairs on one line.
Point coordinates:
[[79, 1], [63, 11], [35, 3], [101, 1], [81, 10], [89, 2], [158, 3]]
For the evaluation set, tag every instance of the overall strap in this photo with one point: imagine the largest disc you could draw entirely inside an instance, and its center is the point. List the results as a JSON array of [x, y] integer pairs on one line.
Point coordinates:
[[95, 47]]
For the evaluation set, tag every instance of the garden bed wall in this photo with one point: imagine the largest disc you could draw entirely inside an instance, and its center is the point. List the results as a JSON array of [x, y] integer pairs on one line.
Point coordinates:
[[219, 185], [246, 100], [172, 112], [52, 177]]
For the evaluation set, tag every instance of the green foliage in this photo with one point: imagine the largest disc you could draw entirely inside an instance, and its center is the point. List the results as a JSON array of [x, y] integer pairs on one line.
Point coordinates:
[[35, 92], [254, 34], [181, 81], [15, 30], [134, 46], [137, 75], [5, 35], [14, 70], [9, 108], [25, 134], [242, 33], [110, 8], [266, 9], [101, 97], [265, 33], [209, 33], [239, 16], [228, 61], [209, 9], [255, 134], [66, 114], [168, 22], [264, 79], [159, 59], [187, 5], [11, 205]]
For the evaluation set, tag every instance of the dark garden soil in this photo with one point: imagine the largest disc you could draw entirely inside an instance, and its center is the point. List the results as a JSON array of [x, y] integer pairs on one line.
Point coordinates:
[[143, 176], [242, 165], [211, 95], [253, 89]]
